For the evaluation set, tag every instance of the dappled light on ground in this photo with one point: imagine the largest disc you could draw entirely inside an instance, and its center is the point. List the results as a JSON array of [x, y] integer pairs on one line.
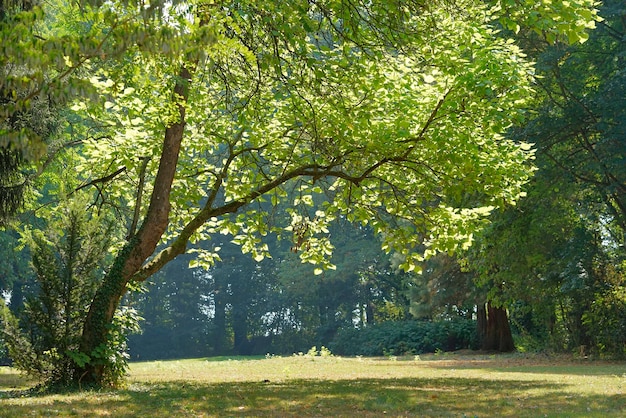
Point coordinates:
[[333, 386]]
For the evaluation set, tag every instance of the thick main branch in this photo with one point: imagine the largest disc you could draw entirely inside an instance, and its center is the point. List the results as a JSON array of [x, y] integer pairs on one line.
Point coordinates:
[[144, 243]]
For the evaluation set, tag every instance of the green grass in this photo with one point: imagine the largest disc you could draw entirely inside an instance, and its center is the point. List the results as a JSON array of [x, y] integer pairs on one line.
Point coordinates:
[[445, 385]]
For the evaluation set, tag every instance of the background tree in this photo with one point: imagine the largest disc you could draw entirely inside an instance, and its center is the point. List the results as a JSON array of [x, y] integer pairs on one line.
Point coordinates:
[[15, 274], [581, 126], [15, 269], [546, 261], [241, 299], [175, 308], [278, 305], [362, 288], [558, 254], [448, 289], [584, 139], [444, 290]]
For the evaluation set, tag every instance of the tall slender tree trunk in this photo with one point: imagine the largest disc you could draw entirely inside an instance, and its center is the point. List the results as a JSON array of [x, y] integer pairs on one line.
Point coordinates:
[[241, 344], [369, 312], [219, 320], [139, 247]]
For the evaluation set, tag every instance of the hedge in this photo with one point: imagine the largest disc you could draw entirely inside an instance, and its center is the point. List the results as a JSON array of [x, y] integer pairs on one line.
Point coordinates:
[[406, 337]]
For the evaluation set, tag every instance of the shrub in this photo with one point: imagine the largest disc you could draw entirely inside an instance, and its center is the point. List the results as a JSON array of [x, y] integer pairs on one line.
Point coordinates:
[[406, 337], [606, 323], [43, 339]]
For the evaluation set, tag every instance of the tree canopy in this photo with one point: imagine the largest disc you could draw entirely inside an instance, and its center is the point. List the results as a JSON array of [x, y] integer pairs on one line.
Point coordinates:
[[389, 136]]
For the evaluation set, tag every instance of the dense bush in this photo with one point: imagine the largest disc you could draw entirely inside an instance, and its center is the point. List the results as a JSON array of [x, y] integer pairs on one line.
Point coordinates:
[[406, 337], [605, 322]]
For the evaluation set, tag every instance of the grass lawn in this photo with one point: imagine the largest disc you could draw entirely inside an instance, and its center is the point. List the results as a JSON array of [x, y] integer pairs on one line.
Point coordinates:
[[448, 385]]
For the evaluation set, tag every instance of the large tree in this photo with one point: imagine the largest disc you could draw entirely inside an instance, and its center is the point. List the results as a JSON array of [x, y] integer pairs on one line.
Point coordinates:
[[394, 109], [556, 260]]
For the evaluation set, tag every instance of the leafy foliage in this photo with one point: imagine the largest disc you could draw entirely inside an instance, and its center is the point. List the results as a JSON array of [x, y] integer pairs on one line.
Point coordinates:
[[408, 337], [323, 110], [561, 22], [606, 321]]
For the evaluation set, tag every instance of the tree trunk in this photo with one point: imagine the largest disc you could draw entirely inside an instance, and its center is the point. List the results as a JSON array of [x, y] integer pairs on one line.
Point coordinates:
[[497, 332], [369, 312], [17, 296], [481, 323], [219, 320], [240, 330], [138, 248]]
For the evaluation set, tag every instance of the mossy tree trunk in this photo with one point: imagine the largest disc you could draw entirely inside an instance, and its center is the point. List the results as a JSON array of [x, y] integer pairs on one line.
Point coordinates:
[[139, 247]]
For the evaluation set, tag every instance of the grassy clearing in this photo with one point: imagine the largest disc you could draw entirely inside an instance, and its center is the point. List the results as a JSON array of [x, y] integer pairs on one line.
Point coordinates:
[[446, 385]]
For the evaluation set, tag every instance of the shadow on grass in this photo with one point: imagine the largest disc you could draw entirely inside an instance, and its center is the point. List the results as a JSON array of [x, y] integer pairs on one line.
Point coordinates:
[[338, 398], [210, 359], [544, 366], [580, 370]]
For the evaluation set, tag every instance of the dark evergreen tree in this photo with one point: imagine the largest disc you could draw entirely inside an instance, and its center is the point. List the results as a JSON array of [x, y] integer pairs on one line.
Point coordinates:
[[42, 339]]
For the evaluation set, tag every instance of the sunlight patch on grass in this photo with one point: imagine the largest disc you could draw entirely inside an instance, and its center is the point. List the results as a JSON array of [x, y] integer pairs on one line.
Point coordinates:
[[10, 379], [338, 387]]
